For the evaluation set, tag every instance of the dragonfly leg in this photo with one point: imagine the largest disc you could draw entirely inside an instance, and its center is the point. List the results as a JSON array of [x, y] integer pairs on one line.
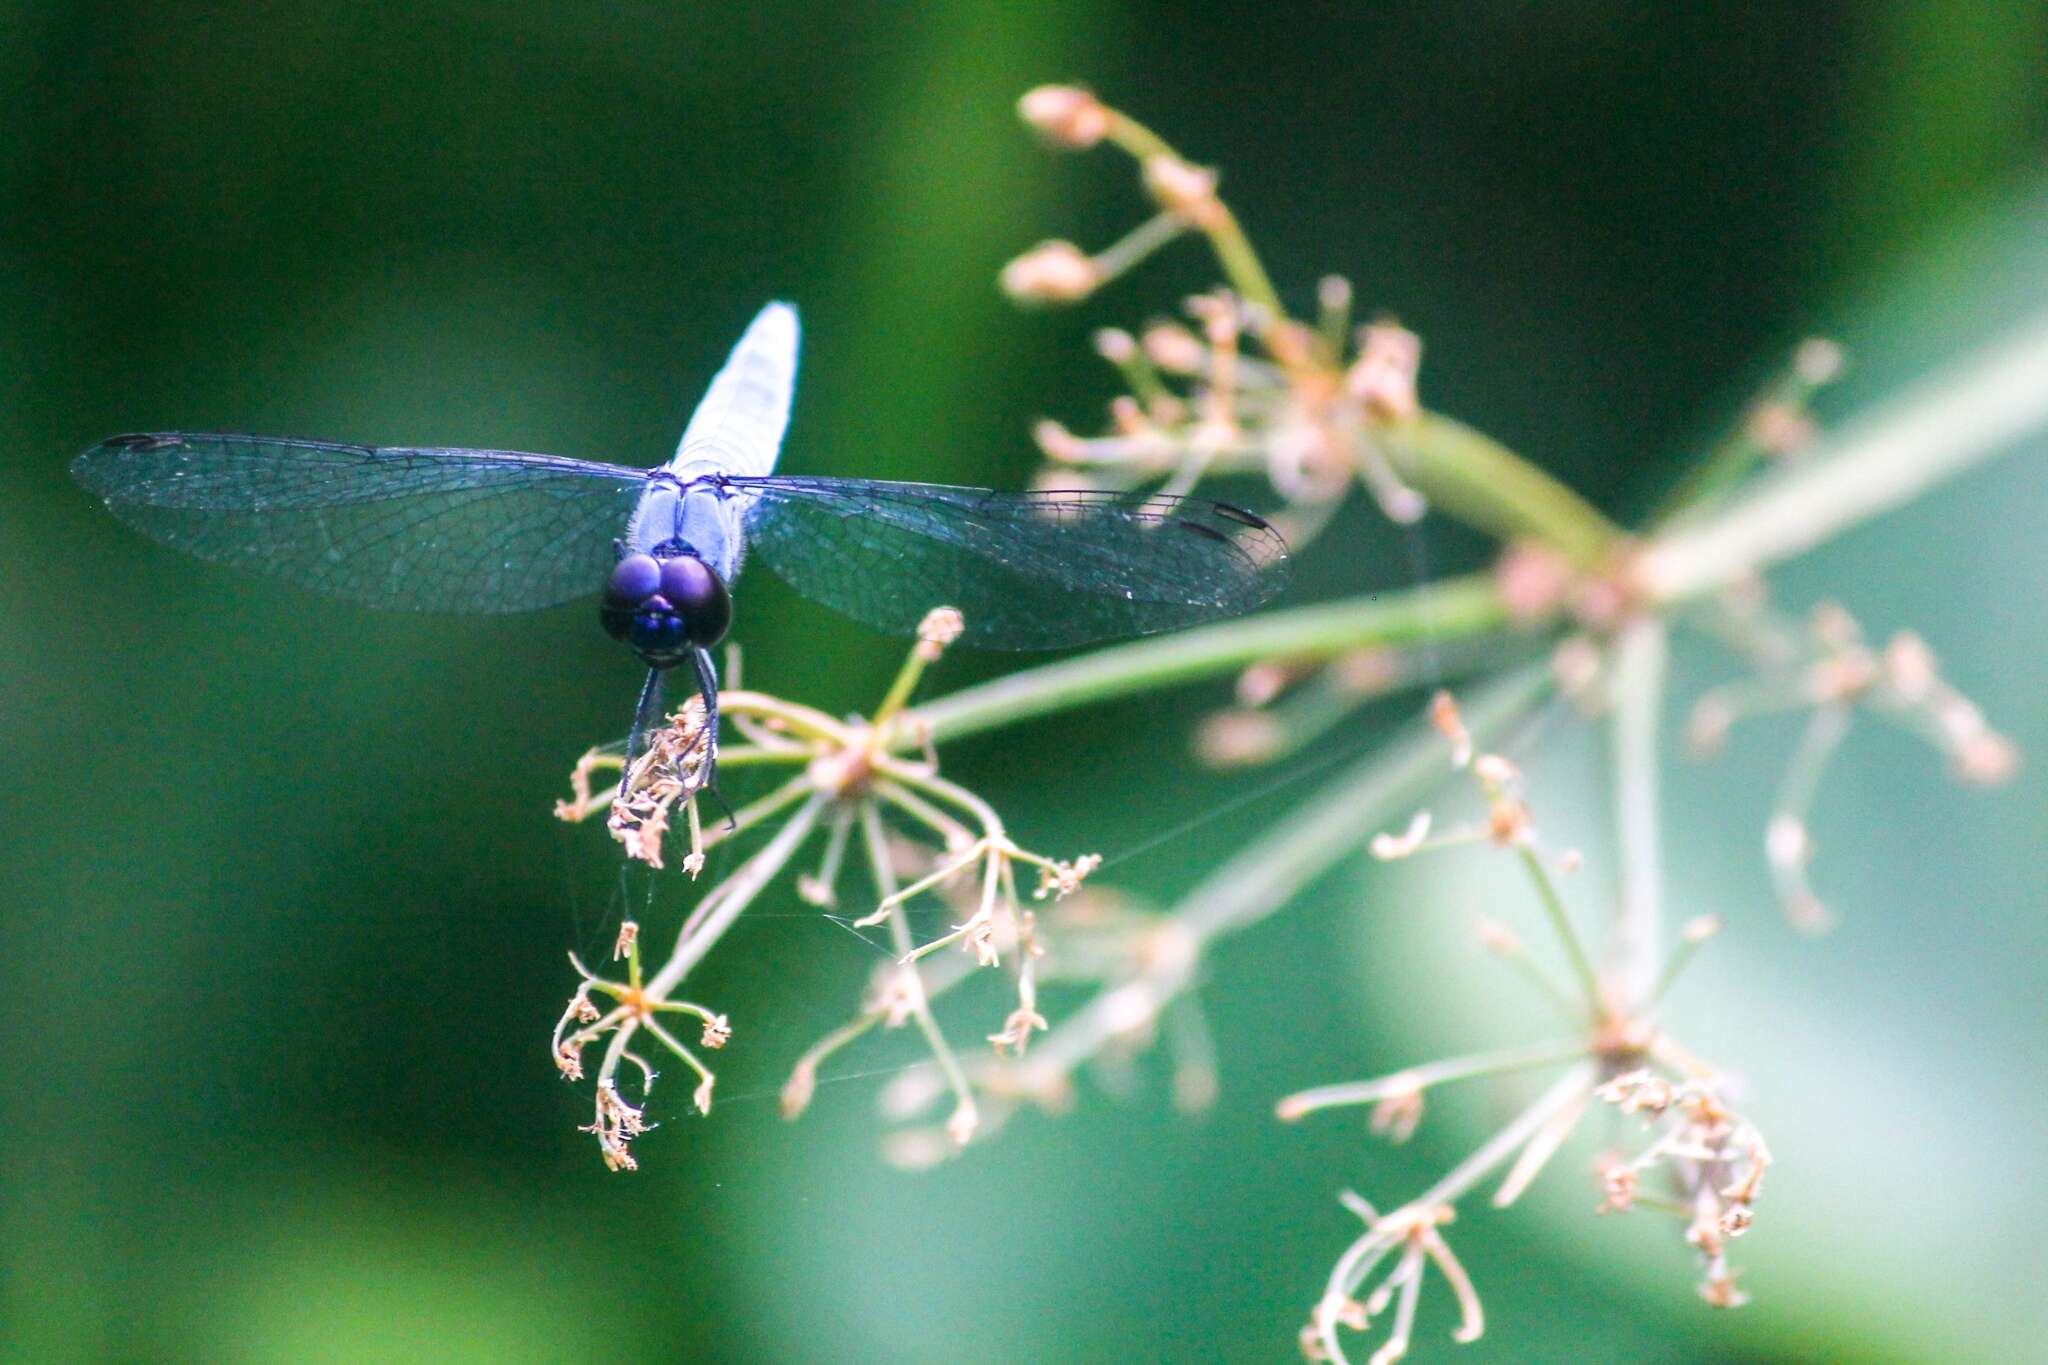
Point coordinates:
[[707, 688], [644, 717]]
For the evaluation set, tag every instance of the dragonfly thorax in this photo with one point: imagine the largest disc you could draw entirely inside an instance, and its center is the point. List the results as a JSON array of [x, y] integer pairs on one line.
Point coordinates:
[[665, 605]]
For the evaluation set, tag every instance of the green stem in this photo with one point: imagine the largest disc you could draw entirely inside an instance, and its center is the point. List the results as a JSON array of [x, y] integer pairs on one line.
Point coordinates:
[[1273, 867], [1680, 958], [899, 934], [754, 874], [1415, 1079], [1472, 476], [1740, 451], [1553, 906], [1481, 482], [1640, 666], [1452, 607], [1241, 265], [1985, 405], [1358, 1261]]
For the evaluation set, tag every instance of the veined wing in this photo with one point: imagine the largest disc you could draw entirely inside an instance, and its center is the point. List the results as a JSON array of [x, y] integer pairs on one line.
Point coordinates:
[[418, 529], [1034, 570], [739, 423]]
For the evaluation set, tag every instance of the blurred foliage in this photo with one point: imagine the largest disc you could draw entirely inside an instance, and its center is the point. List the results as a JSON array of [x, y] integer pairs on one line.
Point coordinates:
[[284, 906]]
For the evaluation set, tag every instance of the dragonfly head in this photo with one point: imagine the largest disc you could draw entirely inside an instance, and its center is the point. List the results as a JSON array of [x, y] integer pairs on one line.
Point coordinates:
[[665, 605]]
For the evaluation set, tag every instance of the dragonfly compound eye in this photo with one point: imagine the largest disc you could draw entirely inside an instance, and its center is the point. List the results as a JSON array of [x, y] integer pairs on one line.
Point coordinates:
[[635, 577], [699, 596], [633, 580]]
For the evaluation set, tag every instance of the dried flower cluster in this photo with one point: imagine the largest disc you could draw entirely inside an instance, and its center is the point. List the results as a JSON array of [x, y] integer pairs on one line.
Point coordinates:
[[919, 834], [1825, 668], [1715, 1159], [1314, 407], [1239, 387]]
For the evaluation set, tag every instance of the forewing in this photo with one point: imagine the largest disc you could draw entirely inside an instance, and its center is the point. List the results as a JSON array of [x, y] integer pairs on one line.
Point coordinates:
[[1027, 570], [739, 424], [419, 529]]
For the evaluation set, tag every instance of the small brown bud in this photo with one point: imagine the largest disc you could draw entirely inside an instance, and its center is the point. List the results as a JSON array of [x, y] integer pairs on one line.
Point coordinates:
[[1051, 272], [798, 1089], [1186, 191], [1366, 672], [1780, 428], [1262, 682], [1173, 348], [717, 1031], [1719, 1291], [1987, 759], [1532, 580], [1700, 928], [1443, 715], [1818, 361], [1507, 821], [1383, 377], [1066, 115], [1127, 415], [1238, 739], [1116, 345], [940, 627], [1057, 442]]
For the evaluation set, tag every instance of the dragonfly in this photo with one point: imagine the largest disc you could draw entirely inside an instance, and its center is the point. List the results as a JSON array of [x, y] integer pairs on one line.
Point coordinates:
[[446, 529]]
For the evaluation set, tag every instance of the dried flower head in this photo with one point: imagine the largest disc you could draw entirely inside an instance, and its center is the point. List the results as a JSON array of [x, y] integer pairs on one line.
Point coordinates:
[[1066, 115], [1714, 1159], [1051, 272]]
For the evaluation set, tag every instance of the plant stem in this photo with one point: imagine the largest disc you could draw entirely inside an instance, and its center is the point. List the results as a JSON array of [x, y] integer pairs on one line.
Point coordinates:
[[1641, 657], [740, 891], [1561, 923], [1451, 607], [899, 934], [1267, 873], [1481, 482], [1936, 429], [1473, 1169], [1416, 1078], [1743, 449], [1233, 249], [1360, 1258]]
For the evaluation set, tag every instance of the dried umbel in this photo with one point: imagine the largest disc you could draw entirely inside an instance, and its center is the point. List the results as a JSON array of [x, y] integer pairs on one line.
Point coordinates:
[[919, 835], [1568, 626], [1317, 405], [1825, 669], [1619, 1054]]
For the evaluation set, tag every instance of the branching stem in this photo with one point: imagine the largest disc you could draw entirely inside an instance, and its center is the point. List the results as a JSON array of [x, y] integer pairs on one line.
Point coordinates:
[[1454, 607]]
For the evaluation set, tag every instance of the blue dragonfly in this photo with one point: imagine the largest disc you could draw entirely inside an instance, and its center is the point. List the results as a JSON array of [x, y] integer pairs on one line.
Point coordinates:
[[445, 529]]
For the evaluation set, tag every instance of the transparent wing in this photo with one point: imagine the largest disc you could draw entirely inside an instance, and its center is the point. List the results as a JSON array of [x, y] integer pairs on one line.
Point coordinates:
[[412, 529], [739, 424], [1027, 570]]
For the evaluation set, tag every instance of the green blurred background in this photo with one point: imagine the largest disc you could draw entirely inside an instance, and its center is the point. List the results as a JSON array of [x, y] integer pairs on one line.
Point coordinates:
[[284, 908]]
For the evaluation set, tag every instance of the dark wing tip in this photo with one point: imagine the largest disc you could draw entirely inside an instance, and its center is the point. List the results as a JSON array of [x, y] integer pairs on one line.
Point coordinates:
[[1258, 538], [94, 469], [142, 440], [102, 469], [1261, 569], [1237, 514]]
